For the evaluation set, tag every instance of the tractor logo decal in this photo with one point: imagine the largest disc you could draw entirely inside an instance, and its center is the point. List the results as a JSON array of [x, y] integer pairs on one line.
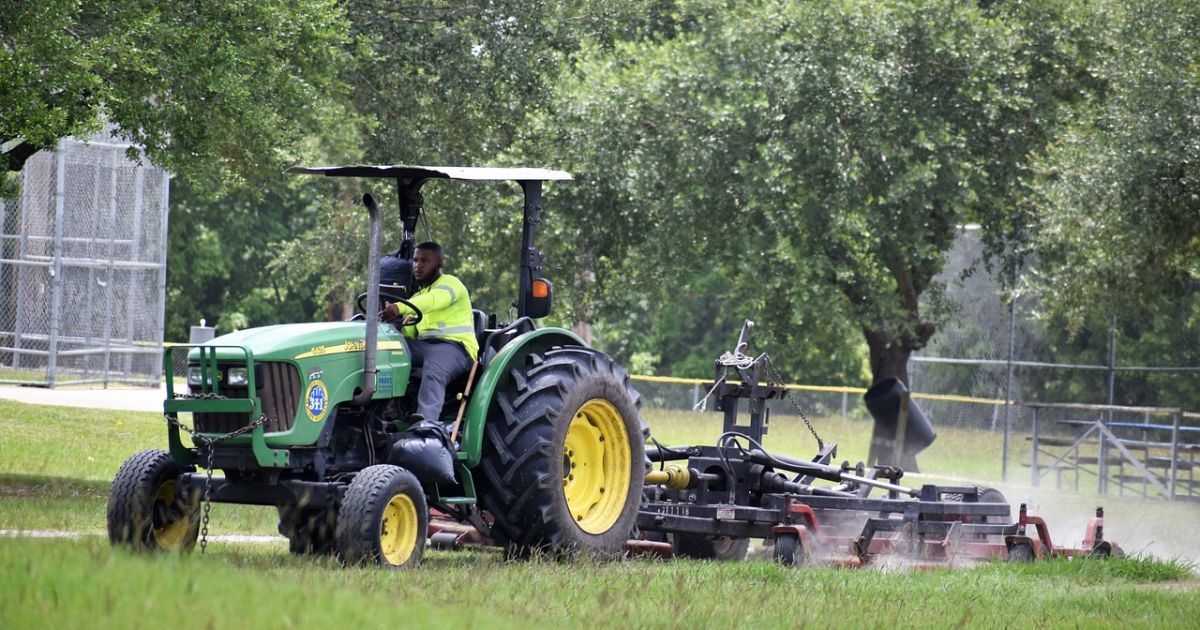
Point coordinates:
[[316, 401]]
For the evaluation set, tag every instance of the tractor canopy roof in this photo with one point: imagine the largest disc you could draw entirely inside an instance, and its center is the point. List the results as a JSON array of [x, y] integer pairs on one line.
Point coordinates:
[[409, 172]]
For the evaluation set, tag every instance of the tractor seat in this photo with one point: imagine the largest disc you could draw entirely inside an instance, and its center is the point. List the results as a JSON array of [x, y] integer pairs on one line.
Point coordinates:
[[480, 325], [495, 339]]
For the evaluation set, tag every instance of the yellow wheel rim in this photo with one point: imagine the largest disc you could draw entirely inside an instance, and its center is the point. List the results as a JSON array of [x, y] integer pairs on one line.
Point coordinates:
[[398, 530], [167, 533], [596, 466]]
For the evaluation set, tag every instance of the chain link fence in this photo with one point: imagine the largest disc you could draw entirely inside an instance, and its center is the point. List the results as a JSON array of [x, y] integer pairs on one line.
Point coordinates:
[[83, 268], [1002, 349], [980, 375]]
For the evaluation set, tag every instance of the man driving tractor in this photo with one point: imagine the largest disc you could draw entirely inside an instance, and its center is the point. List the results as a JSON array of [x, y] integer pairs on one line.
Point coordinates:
[[443, 342]]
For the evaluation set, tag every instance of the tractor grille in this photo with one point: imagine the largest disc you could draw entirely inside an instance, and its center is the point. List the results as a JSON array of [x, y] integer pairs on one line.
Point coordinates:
[[278, 385]]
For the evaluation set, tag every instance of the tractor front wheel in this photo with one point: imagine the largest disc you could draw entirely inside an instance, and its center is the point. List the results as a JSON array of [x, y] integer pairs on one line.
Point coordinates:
[[563, 461], [383, 519], [145, 510]]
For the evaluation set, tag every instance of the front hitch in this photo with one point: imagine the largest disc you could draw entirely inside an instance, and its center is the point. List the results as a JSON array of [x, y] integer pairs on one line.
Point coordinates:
[[211, 400]]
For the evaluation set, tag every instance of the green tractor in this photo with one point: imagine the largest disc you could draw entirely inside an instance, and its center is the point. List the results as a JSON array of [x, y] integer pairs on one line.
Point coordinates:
[[547, 446]]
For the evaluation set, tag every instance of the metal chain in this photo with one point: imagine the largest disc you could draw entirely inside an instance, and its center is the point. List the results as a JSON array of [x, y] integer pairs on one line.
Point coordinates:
[[210, 442], [787, 393]]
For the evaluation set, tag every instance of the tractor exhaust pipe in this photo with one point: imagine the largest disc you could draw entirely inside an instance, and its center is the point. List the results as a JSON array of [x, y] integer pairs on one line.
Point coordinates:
[[372, 314]]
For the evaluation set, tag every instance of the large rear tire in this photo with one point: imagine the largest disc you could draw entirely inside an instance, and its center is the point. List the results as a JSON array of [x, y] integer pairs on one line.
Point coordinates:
[[383, 519], [564, 455], [145, 511]]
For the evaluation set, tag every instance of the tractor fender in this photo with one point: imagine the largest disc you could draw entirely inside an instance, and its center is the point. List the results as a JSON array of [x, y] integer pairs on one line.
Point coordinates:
[[493, 377]]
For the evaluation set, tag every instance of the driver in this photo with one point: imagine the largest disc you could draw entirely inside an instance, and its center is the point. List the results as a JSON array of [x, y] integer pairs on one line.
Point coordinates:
[[443, 343]]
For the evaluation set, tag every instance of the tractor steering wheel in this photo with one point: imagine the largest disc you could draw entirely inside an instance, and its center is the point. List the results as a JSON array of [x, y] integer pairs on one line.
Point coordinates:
[[413, 318]]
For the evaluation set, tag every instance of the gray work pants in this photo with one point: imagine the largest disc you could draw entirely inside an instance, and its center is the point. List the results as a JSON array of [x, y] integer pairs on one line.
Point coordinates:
[[440, 363]]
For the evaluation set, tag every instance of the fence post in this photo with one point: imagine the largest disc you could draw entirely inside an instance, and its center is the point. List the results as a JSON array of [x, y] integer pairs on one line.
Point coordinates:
[[112, 245], [56, 281], [1107, 417], [1174, 452], [23, 250], [844, 395], [1033, 461], [161, 287], [1012, 343], [136, 255]]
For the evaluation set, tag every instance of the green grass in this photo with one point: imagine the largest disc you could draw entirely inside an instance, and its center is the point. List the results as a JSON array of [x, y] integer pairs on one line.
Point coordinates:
[[64, 584], [74, 505], [32, 376], [73, 442], [56, 463]]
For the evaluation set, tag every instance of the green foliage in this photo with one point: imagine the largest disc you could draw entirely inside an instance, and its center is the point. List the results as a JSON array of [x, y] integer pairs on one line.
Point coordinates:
[[819, 155], [228, 263], [803, 165], [220, 93], [1120, 189]]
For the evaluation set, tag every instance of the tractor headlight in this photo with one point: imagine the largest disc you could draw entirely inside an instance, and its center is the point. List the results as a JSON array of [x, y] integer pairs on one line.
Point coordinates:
[[237, 377], [195, 375]]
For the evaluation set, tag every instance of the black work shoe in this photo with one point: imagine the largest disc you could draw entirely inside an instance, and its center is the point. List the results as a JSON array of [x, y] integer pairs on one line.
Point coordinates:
[[415, 418]]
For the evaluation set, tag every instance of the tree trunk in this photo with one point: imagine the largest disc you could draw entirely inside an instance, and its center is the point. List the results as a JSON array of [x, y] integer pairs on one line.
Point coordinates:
[[888, 357]]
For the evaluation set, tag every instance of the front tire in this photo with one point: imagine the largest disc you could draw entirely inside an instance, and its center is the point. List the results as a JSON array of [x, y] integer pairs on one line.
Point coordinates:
[[564, 459], [383, 519], [145, 510]]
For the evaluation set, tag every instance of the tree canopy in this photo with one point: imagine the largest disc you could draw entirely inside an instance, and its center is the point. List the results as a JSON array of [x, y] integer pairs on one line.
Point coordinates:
[[805, 165], [219, 92], [1119, 221], [821, 153]]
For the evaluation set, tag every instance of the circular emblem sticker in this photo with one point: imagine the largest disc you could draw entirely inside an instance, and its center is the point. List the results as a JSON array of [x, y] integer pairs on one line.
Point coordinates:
[[316, 401]]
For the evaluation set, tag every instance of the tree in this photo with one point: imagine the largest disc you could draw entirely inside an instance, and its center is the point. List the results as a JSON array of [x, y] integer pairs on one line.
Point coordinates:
[[450, 82], [1120, 190], [216, 92], [842, 142]]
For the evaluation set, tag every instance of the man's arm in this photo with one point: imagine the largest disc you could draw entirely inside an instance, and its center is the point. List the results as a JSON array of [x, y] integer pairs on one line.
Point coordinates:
[[444, 292]]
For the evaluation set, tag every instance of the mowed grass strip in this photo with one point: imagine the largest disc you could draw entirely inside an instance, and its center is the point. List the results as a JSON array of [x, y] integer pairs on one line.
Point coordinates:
[[47, 441], [56, 464], [64, 584]]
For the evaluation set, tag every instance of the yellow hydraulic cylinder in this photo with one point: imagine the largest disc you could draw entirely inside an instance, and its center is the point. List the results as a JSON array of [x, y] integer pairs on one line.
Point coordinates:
[[675, 477]]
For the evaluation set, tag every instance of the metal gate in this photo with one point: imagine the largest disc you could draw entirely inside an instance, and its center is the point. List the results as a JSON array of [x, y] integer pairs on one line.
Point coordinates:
[[83, 255]]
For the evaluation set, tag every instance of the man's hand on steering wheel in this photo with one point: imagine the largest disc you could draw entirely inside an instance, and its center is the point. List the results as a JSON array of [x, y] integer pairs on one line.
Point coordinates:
[[391, 311]]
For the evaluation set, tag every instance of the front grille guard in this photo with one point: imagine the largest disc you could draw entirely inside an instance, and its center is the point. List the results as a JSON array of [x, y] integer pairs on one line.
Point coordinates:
[[210, 400]]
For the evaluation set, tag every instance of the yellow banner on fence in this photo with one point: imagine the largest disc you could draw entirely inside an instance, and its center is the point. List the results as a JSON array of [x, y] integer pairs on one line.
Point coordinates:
[[827, 389]]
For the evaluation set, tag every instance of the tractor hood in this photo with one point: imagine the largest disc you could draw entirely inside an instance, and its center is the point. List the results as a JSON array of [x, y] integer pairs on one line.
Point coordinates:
[[291, 342]]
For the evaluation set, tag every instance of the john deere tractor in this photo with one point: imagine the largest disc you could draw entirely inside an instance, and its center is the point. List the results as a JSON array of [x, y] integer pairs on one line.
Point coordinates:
[[546, 441]]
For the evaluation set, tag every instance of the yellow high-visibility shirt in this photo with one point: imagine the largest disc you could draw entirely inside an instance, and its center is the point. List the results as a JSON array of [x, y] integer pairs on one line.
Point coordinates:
[[446, 314]]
